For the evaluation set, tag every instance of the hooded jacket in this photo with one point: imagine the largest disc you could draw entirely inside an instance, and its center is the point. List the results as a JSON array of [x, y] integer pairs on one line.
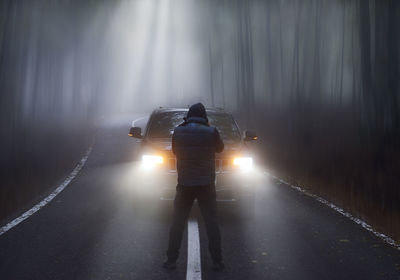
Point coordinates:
[[195, 143]]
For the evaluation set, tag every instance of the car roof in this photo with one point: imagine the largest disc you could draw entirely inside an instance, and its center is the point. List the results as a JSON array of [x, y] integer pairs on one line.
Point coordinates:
[[209, 110]]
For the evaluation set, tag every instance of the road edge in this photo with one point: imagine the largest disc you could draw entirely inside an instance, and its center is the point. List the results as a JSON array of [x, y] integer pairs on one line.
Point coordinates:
[[50, 197], [358, 221]]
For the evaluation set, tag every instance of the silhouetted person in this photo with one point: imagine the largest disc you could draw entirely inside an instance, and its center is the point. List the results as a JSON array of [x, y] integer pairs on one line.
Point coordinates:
[[195, 143]]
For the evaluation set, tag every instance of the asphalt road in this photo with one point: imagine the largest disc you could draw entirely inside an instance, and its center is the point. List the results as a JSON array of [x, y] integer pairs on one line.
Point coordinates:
[[97, 229]]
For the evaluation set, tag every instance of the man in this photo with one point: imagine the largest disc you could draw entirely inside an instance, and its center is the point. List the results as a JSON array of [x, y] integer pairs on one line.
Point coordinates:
[[195, 143]]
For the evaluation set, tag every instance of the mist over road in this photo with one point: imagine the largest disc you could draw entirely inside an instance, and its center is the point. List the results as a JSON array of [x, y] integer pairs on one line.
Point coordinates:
[[96, 229]]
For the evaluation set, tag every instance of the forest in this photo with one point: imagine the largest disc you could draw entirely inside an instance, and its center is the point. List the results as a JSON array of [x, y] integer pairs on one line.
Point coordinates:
[[318, 80]]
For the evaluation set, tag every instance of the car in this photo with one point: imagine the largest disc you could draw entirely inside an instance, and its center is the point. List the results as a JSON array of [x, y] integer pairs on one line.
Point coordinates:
[[233, 166]]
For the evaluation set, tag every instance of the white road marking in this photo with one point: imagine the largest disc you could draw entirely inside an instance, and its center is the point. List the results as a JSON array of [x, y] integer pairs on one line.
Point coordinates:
[[42, 203], [358, 221], [193, 270]]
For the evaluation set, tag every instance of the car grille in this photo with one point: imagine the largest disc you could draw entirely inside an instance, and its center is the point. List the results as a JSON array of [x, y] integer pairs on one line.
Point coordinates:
[[172, 164], [222, 165]]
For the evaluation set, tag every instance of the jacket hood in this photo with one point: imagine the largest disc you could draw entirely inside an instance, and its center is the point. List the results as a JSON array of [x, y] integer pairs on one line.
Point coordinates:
[[197, 110]]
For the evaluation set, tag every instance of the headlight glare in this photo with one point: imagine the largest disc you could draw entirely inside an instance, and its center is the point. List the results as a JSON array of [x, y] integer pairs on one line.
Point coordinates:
[[151, 160], [245, 163]]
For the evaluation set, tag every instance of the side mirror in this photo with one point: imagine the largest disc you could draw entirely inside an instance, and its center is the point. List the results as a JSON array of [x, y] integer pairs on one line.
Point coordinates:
[[250, 135], [135, 132]]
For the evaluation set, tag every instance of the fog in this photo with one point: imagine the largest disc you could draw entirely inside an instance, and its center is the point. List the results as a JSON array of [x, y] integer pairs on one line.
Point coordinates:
[[319, 80], [101, 57]]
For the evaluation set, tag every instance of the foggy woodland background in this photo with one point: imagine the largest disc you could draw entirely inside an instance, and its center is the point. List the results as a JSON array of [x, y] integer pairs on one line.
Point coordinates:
[[318, 80]]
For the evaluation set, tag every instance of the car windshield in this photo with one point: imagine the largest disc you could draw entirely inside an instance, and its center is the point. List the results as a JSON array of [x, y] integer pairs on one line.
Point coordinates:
[[163, 125]]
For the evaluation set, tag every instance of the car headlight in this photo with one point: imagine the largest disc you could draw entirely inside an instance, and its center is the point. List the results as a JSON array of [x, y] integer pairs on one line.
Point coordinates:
[[149, 161], [245, 163]]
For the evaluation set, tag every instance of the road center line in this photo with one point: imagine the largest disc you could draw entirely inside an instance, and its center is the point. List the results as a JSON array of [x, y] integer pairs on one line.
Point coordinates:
[[193, 270], [42, 203]]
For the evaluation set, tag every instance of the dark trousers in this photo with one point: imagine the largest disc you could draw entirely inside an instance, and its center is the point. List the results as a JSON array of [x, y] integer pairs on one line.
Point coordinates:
[[184, 199]]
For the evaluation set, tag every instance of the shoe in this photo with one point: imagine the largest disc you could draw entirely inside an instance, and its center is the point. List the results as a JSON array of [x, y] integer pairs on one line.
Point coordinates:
[[168, 264], [218, 266]]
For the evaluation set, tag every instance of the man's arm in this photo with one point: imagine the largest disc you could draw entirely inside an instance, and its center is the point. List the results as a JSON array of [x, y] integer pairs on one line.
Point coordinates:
[[219, 144], [173, 143]]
